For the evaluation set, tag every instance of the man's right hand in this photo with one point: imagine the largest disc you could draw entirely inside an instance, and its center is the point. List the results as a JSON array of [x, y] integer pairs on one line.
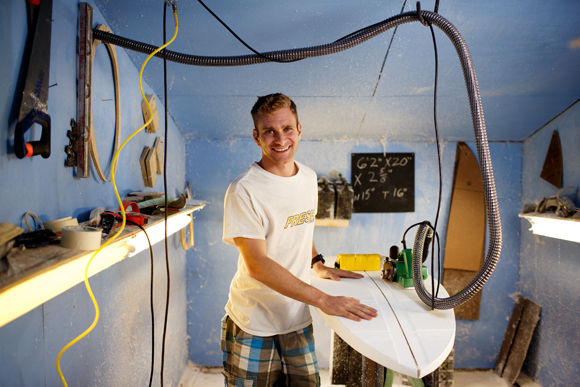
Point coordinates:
[[348, 307]]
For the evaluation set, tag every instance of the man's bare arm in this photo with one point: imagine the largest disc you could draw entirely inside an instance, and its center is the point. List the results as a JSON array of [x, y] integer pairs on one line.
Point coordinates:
[[273, 275], [331, 272]]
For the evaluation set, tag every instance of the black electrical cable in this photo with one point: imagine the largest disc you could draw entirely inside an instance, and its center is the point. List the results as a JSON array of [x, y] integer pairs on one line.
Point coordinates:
[[151, 301], [165, 191], [438, 163], [438, 265], [403, 241], [151, 293], [244, 43], [152, 307]]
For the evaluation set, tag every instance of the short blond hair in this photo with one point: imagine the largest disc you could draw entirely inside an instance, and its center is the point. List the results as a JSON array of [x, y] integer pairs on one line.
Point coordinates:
[[268, 104]]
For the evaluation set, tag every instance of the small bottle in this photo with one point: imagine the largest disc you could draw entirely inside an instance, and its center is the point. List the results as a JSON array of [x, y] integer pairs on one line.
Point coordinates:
[[344, 199], [326, 199]]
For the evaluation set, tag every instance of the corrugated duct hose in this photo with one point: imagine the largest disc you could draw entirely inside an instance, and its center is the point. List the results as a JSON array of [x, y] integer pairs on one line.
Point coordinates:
[[345, 43]]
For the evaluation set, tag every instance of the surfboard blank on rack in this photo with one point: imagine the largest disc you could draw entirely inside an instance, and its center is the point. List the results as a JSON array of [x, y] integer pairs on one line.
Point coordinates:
[[407, 336]]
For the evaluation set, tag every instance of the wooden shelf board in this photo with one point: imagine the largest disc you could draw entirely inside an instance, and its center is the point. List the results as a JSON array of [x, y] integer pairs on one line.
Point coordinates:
[[331, 222], [46, 272]]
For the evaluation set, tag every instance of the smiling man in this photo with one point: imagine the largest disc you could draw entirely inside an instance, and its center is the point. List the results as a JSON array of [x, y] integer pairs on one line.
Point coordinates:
[[269, 211]]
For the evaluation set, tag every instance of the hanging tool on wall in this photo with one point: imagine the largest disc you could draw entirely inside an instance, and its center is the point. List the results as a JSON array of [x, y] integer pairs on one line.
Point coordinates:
[[78, 149], [34, 106]]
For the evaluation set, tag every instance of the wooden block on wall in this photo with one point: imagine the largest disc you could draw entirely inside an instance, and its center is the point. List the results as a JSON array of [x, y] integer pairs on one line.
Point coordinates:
[[158, 145], [154, 124], [151, 165], [144, 171]]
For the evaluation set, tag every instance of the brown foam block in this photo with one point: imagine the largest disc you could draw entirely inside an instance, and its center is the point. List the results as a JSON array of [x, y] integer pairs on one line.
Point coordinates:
[[346, 364], [509, 335], [456, 280], [521, 342], [373, 374], [464, 246]]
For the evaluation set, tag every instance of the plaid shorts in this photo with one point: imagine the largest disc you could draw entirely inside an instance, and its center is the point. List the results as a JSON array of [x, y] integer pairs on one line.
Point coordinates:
[[281, 360]]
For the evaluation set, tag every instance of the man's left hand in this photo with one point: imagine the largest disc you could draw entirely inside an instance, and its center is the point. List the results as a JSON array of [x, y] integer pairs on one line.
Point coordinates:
[[334, 274]]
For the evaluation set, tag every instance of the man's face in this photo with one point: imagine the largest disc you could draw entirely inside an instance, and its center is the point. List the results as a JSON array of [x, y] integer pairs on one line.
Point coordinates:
[[278, 135]]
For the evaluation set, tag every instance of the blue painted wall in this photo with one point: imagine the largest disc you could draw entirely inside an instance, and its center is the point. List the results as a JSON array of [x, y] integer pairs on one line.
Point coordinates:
[[118, 350], [548, 266], [211, 266]]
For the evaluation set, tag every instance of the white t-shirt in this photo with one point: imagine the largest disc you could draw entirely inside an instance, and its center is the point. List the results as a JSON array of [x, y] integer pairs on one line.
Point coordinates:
[[281, 211]]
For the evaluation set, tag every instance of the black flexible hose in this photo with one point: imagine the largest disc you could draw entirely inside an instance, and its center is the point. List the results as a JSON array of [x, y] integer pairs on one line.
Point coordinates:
[[284, 55], [492, 210]]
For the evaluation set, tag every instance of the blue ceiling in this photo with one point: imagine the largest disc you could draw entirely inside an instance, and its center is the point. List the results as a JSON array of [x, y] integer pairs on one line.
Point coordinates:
[[527, 68]]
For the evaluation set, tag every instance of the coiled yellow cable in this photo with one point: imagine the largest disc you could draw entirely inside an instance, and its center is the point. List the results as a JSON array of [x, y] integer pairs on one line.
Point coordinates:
[[113, 170]]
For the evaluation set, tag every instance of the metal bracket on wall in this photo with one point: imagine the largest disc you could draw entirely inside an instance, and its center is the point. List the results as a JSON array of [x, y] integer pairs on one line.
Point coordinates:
[[71, 149], [80, 134]]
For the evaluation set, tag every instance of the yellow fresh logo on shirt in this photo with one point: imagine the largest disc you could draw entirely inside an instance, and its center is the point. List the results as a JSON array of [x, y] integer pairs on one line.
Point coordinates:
[[296, 220]]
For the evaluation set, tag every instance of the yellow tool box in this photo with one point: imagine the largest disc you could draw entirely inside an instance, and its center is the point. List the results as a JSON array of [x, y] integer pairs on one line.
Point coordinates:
[[359, 262]]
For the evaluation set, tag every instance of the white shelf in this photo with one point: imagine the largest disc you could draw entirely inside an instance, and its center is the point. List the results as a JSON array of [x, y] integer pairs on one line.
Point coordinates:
[[65, 268], [553, 226]]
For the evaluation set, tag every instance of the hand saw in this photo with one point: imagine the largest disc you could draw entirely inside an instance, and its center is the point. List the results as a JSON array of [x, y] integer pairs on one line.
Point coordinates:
[[34, 106]]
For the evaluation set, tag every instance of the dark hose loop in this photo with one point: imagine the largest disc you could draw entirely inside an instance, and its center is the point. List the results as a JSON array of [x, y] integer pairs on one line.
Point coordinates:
[[349, 41], [486, 171]]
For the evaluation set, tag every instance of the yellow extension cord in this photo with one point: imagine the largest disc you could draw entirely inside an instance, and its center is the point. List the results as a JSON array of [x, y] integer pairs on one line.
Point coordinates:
[[113, 169]]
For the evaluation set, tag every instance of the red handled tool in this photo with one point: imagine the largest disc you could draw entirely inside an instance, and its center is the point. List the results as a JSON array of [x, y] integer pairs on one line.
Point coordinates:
[[134, 216]]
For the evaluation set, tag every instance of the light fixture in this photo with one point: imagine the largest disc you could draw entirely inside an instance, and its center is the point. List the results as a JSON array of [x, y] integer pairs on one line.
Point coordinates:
[[554, 226]]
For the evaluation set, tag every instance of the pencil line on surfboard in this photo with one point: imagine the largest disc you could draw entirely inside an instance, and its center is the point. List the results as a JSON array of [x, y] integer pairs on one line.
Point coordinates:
[[399, 322]]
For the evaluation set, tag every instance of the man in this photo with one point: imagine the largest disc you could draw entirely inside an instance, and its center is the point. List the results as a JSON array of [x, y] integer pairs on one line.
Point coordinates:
[[269, 215]]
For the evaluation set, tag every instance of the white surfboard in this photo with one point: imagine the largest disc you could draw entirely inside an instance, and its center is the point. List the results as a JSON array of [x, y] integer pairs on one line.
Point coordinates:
[[407, 336]]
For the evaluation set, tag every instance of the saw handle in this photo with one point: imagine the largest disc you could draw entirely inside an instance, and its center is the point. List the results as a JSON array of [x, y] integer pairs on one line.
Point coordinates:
[[24, 149]]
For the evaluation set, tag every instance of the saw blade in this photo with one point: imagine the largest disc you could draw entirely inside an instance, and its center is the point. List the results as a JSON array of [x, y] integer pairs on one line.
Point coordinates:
[[35, 95]]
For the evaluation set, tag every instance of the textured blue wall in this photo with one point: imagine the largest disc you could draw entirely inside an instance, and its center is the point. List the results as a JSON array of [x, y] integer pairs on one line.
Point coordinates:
[[211, 266], [118, 350], [549, 266]]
